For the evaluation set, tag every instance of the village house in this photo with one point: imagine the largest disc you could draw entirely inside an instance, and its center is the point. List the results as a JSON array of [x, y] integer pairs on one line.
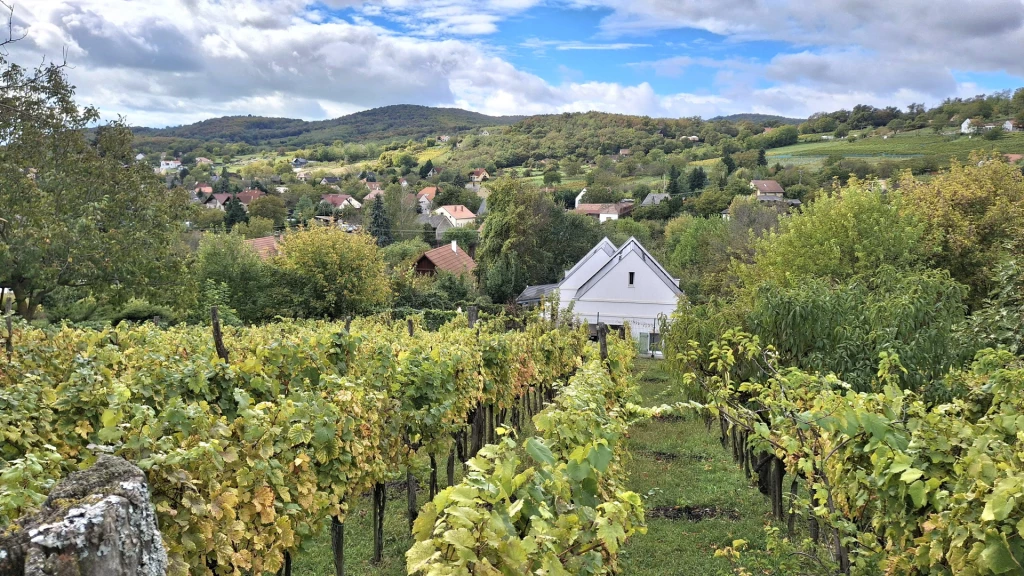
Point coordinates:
[[266, 247], [140, 157], [448, 258], [403, 182], [167, 166], [654, 199], [330, 181], [369, 198], [299, 162], [772, 191], [201, 160], [968, 127], [443, 138], [625, 152], [340, 201], [436, 222], [606, 212], [485, 132], [457, 214], [434, 171], [479, 175], [617, 287], [203, 188], [375, 186], [1009, 126], [426, 198]]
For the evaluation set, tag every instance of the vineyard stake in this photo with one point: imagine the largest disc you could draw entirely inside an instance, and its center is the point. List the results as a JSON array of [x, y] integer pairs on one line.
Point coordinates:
[[602, 339], [10, 331], [338, 545], [218, 339], [471, 315], [409, 320], [379, 502]]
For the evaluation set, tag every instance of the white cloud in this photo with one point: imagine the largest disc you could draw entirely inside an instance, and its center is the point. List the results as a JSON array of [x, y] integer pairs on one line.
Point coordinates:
[[564, 45]]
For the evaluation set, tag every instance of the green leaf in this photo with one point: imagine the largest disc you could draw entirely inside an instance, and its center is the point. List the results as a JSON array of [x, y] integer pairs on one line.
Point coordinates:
[[997, 556], [419, 556], [600, 456], [539, 452], [109, 418], [578, 471], [612, 533], [998, 508], [918, 492], [910, 475]]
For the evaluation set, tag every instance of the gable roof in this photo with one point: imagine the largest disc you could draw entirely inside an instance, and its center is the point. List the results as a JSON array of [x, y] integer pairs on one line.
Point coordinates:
[[455, 261], [479, 172], [336, 200], [247, 196], [429, 192], [767, 186], [375, 186], [629, 246], [618, 208], [605, 245], [221, 198], [266, 246], [458, 211], [533, 294], [654, 199]]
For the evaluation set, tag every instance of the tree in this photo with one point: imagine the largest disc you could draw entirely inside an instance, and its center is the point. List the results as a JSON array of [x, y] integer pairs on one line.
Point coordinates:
[[552, 176], [76, 210], [305, 209], [697, 179], [270, 207], [729, 163], [330, 273], [426, 168], [571, 167], [380, 227], [226, 260], [234, 213], [762, 159], [464, 236], [256, 227]]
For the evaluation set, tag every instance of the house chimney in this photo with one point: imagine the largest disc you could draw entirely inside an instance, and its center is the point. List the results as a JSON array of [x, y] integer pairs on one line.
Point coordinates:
[[455, 246]]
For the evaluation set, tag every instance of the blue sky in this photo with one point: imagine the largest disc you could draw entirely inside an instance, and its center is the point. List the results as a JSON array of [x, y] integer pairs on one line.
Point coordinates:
[[166, 62]]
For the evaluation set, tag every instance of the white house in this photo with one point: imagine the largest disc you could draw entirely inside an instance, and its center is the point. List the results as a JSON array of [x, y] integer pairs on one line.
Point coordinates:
[[617, 286], [169, 166], [967, 127], [457, 214], [579, 197], [1009, 126]]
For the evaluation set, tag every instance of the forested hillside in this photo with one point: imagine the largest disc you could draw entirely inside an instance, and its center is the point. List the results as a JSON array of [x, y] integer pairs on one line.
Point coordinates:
[[379, 124]]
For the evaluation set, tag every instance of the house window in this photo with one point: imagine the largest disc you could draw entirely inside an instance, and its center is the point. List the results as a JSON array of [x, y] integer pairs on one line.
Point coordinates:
[[631, 275]]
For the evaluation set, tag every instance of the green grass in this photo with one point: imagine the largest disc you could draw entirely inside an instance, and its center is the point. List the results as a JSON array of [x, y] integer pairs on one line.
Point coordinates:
[[676, 462], [671, 462], [900, 146]]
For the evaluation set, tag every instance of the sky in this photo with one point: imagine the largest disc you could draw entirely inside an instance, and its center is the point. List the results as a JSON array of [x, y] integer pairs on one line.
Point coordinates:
[[172, 62]]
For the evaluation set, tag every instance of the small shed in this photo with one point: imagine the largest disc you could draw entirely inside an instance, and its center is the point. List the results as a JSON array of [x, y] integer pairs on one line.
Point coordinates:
[[449, 258]]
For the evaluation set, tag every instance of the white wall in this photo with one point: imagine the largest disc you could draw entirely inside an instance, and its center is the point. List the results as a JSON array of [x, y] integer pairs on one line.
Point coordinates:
[[567, 289], [617, 302], [607, 217]]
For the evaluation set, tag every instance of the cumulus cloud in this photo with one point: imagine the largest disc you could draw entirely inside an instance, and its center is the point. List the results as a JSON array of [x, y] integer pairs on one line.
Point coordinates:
[[175, 61]]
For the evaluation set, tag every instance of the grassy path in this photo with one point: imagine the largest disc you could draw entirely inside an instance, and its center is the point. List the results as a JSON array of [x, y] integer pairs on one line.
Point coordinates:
[[697, 499], [675, 464]]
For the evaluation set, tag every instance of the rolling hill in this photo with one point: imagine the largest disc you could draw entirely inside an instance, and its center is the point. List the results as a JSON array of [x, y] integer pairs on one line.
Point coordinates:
[[759, 118], [387, 123]]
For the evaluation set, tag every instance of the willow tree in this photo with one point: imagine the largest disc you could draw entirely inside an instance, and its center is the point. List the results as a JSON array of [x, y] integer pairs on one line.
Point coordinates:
[[76, 210]]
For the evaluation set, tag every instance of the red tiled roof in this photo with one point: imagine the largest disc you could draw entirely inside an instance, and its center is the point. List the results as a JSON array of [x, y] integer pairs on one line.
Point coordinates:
[[1013, 158], [266, 246], [429, 192], [222, 198], [247, 196], [598, 209], [767, 186], [375, 186], [479, 172], [454, 261], [458, 211], [336, 200], [369, 197]]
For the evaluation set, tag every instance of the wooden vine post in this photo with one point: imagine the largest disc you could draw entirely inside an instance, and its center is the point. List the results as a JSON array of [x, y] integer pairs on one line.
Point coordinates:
[[379, 501], [218, 338], [410, 478], [9, 345], [471, 315], [338, 545], [602, 339]]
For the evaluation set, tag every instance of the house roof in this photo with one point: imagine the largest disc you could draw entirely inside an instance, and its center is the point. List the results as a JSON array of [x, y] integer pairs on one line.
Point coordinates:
[[479, 172], [455, 261], [767, 186], [654, 199], [266, 247], [336, 200], [533, 294], [605, 245], [375, 186], [458, 211], [619, 208], [221, 198], [247, 196], [369, 197], [429, 192], [628, 246], [330, 179]]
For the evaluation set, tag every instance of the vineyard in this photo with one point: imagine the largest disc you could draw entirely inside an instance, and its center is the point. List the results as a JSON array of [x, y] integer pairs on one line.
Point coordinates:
[[252, 437], [886, 482]]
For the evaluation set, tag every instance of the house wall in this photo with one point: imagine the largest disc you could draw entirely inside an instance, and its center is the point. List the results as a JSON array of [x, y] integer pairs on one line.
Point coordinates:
[[617, 302], [607, 217], [567, 289]]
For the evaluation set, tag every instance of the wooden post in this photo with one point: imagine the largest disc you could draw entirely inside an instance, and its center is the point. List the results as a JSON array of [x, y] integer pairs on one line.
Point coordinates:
[[451, 465], [218, 339], [10, 331], [602, 339], [348, 323], [622, 332], [409, 320], [379, 501], [471, 313], [792, 506], [410, 493], [286, 569], [433, 476], [338, 545]]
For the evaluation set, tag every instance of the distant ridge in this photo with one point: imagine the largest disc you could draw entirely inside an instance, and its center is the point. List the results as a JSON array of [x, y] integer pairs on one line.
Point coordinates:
[[759, 118], [385, 124]]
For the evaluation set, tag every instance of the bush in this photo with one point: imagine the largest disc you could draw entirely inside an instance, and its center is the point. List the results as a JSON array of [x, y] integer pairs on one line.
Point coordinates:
[[142, 311]]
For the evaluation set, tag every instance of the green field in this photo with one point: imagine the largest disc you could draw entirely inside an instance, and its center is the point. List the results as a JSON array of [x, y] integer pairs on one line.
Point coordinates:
[[899, 146], [672, 463]]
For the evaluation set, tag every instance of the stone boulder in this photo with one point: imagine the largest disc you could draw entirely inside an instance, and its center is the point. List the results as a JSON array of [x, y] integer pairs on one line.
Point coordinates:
[[97, 522]]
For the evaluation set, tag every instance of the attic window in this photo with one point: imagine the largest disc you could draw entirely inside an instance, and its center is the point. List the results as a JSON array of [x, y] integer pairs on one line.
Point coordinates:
[[631, 276]]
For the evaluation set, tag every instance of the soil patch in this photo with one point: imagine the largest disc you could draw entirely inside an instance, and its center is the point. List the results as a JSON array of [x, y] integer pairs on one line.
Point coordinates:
[[692, 513]]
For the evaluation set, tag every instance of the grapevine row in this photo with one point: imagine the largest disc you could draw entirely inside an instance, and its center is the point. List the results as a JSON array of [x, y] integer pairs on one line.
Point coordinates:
[[246, 456]]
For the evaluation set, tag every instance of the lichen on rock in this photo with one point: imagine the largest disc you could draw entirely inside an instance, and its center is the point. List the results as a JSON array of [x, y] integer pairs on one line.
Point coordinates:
[[96, 522]]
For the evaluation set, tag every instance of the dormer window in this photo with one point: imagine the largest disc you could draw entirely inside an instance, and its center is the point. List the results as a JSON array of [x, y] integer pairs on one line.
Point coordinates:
[[631, 277]]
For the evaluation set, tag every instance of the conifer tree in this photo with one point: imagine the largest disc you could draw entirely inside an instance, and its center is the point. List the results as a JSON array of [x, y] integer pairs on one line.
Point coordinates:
[[380, 226]]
